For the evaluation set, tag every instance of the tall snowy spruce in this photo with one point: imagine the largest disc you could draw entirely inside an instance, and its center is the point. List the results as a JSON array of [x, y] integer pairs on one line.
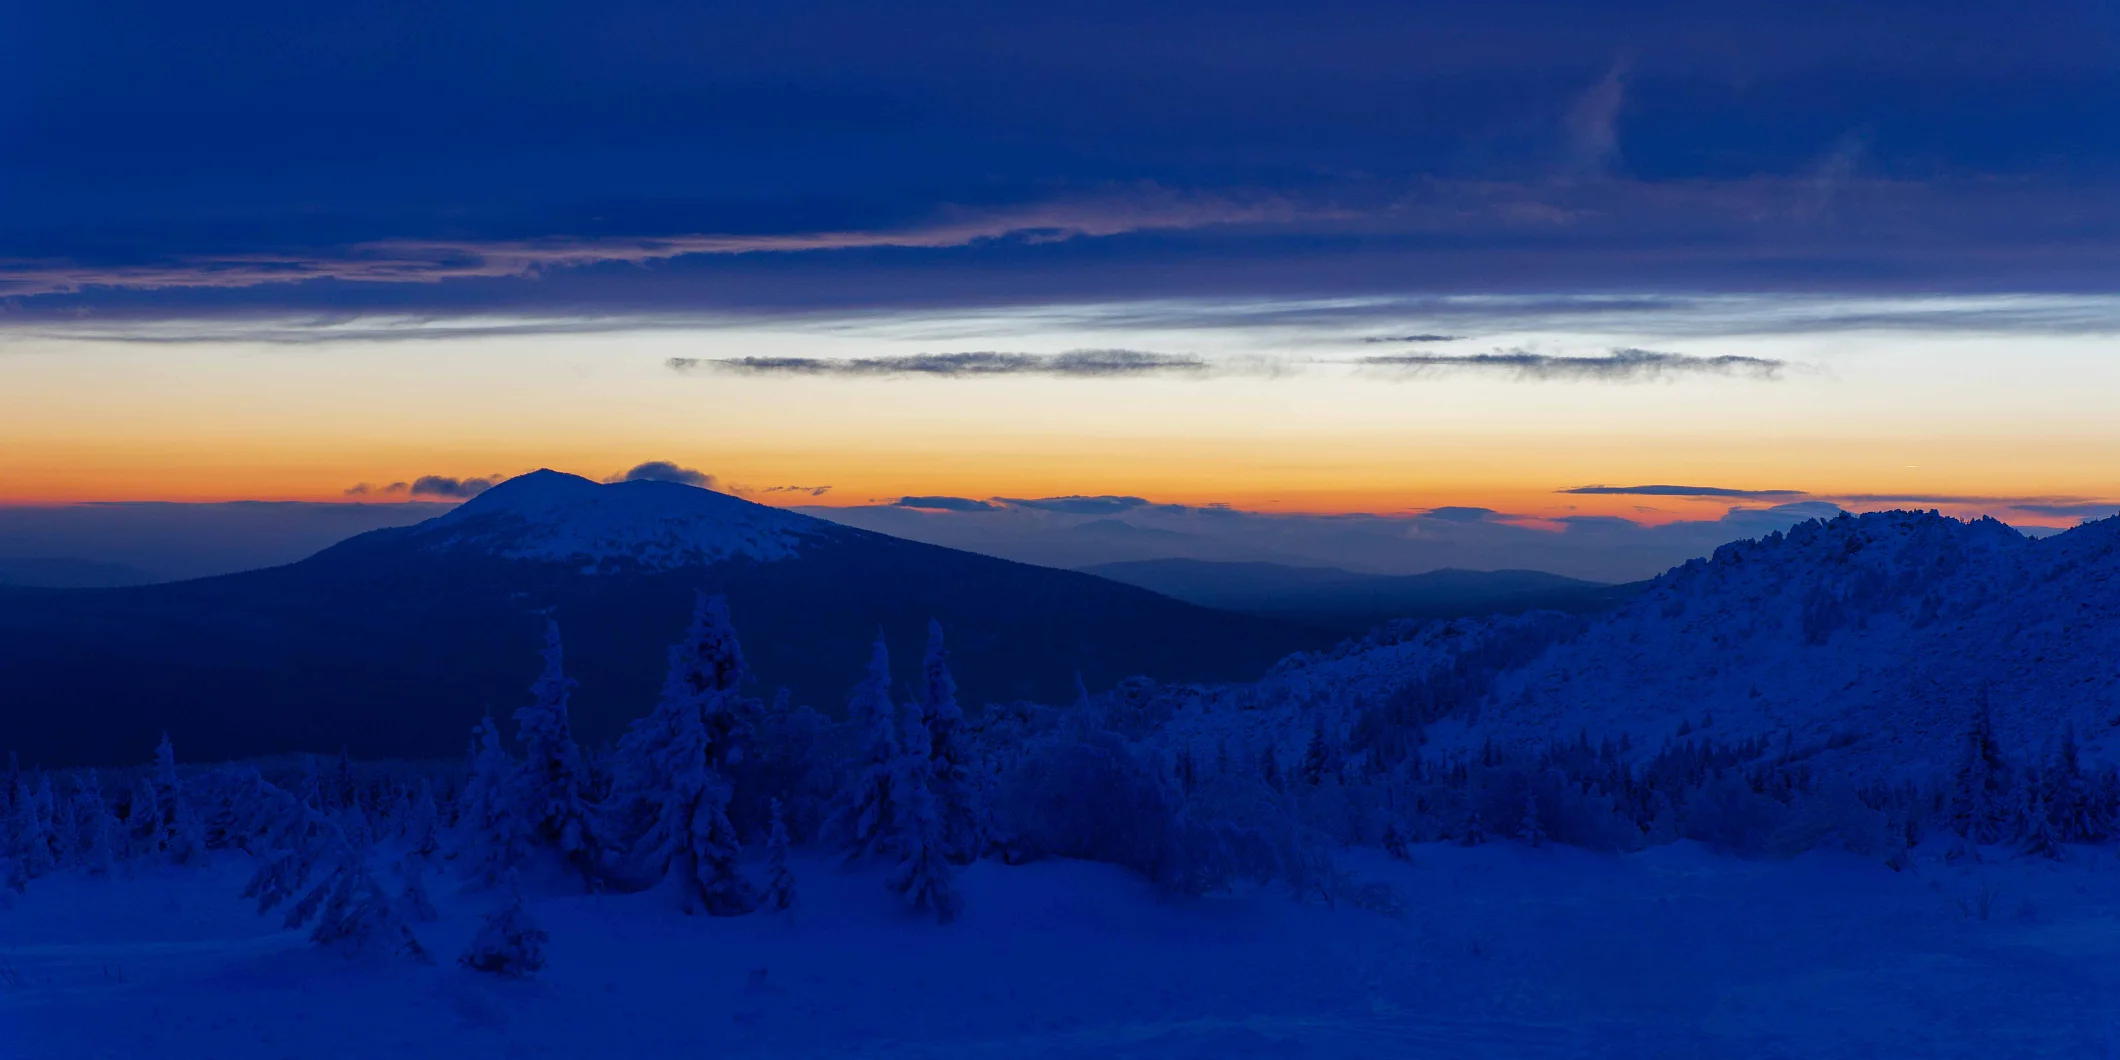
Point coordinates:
[[176, 830], [551, 791], [865, 814], [673, 793], [923, 874], [492, 834], [1981, 801], [780, 879], [953, 774]]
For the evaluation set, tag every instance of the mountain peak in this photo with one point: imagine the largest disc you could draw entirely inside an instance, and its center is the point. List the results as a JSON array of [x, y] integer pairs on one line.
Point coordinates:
[[552, 516]]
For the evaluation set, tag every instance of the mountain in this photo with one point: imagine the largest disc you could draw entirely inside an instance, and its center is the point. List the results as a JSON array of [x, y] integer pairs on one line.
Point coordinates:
[[1355, 602], [1863, 643], [391, 643], [67, 572]]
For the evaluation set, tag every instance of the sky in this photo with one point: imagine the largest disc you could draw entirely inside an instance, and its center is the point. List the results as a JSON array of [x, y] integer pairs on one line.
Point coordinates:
[[1647, 263]]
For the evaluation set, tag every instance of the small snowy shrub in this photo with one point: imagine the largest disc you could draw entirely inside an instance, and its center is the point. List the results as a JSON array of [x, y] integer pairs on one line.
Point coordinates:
[[508, 943]]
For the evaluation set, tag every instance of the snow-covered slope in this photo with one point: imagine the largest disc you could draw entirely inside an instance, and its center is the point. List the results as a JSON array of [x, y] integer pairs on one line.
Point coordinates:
[[556, 517], [1879, 634]]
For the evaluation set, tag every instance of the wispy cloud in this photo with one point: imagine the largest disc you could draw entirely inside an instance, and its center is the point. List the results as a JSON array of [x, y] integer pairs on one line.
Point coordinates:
[[1078, 505], [1119, 210], [979, 363], [814, 491], [1679, 491], [1593, 124], [1621, 365], [2070, 511], [1412, 338], [947, 504]]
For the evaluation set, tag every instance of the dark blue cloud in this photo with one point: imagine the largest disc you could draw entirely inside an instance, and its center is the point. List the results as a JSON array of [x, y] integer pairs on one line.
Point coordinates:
[[1459, 514], [665, 471], [445, 486], [160, 159]]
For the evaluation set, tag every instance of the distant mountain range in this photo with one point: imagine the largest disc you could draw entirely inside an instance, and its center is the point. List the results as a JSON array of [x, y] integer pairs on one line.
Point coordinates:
[[392, 642], [1354, 602], [66, 572]]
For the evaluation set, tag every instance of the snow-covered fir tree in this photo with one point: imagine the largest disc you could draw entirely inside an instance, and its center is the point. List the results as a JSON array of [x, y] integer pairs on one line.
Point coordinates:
[[2079, 813], [29, 843], [923, 874], [422, 825], [689, 843], [99, 830], [1981, 798], [177, 833], [672, 793], [509, 941], [65, 827], [1530, 830], [2035, 828], [353, 912], [780, 879], [954, 776], [551, 792], [414, 904], [866, 814], [492, 834]]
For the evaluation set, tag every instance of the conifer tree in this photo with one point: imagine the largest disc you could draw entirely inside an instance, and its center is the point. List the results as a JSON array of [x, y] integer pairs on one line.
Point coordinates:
[[423, 821], [175, 829], [866, 811], [2036, 831], [351, 910], [705, 671], [2078, 813], [99, 840], [780, 880], [551, 790], [690, 843], [953, 775], [672, 791], [65, 833], [1316, 757], [1531, 831], [414, 904], [493, 834], [1980, 799], [28, 836], [923, 874]]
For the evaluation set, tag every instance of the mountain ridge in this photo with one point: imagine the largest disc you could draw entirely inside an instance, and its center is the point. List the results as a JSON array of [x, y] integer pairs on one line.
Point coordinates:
[[391, 643]]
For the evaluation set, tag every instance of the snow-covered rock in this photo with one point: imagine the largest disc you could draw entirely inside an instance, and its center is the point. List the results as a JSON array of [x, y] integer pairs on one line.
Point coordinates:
[[1876, 635]]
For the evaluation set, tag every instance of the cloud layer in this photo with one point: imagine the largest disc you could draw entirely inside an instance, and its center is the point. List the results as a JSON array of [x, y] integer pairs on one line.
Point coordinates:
[[1621, 365], [1680, 491], [1075, 363]]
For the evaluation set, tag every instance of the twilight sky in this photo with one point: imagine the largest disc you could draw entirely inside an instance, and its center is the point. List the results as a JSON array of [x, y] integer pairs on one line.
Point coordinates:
[[1324, 258]]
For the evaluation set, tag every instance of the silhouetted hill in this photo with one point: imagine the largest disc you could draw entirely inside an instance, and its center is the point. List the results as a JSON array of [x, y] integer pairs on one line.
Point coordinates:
[[1354, 602], [393, 642]]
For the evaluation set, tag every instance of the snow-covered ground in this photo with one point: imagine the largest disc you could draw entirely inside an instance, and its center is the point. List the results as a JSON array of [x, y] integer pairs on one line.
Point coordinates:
[[1502, 950]]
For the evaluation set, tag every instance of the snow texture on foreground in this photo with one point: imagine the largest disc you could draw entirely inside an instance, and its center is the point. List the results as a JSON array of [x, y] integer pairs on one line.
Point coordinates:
[[1503, 951]]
